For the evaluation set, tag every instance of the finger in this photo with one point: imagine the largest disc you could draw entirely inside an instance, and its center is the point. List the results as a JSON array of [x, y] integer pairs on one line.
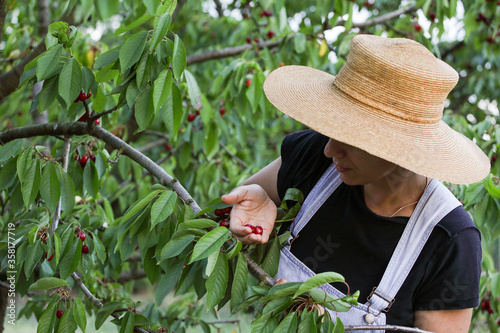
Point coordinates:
[[235, 196], [240, 231]]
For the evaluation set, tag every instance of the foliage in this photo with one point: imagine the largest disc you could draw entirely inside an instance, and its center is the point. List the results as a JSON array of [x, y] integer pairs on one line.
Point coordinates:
[[180, 83]]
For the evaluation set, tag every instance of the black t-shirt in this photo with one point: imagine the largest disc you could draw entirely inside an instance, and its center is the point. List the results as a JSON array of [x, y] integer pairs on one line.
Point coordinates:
[[346, 237]]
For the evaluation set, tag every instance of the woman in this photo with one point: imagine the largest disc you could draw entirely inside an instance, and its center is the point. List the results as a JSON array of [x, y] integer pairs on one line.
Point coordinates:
[[375, 211]]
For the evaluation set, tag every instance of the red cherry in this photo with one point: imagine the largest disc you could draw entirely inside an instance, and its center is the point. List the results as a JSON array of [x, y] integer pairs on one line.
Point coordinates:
[[219, 212], [263, 13], [246, 16], [51, 256], [493, 158], [45, 255], [269, 13], [59, 313], [251, 227], [82, 236], [417, 27], [137, 247], [248, 40], [368, 4], [258, 230], [227, 210], [498, 321], [249, 82], [490, 311], [77, 157], [93, 157], [97, 121], [224, 223], [83, 160], [222, 111], [432, 15], [85, 249], [270, 34], [256, 40], [83, 118], [490, 40], [197, 112], [191, 117], [88, 95], [82, 96], [167, 146]]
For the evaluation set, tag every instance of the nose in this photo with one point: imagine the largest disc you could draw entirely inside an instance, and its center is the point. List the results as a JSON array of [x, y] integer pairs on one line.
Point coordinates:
[[335, 149]]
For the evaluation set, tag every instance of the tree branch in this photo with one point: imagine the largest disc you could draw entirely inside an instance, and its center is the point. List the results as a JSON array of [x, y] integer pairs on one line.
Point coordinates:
[[381, 19], [3, 13], [228, 52], [257, 271], [43, 17]]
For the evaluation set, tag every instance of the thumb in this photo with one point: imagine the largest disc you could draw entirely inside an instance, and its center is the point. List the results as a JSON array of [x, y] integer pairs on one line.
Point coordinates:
[[236, 195]]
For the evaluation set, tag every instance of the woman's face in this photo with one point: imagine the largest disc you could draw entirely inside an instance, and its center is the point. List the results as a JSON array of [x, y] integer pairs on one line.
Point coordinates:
[[357, 167]]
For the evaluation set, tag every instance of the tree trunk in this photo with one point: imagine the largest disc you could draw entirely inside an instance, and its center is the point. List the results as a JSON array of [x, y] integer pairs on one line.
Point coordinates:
[[3, 306]]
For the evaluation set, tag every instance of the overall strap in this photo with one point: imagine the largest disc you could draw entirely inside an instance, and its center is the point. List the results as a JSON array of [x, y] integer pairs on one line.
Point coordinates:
[[326, 185], [436, 202]]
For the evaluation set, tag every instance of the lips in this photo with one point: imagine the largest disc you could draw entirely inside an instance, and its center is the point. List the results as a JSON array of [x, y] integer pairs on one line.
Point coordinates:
[[341, 169]]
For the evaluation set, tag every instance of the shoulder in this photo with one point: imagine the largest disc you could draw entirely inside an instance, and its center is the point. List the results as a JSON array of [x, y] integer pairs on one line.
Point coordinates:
[[456, 222], [304, 142]]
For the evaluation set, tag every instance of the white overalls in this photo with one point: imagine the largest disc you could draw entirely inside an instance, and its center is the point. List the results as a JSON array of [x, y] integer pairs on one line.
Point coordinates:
[[436, 202]]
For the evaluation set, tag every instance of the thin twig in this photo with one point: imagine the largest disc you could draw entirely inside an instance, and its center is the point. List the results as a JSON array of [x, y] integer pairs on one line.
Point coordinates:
[[99, 115], [65, 157], [234, 157]]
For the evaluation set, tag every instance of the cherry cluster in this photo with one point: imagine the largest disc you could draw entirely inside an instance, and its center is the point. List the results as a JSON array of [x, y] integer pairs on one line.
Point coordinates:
[[80, 234], [84, 159], [224, 214], [83, 119], [486, 305]]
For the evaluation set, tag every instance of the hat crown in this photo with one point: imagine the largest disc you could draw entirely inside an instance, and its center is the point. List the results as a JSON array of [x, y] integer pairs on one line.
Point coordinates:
[[398, 76]]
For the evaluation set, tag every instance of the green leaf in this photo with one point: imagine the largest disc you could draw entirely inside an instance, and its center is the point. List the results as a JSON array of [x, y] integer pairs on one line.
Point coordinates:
[[288, 324], [172, 112], [128, 323], [131, 50], [211, 263], [249, 301], [105, 311], [319, 280], [162, 88], [67, 193], [48, 283], [70, 261], [151, 269], [209, 243], [143, 71], [217, 282], [167, 6], [160, 30], [168, 281], [106, 9], [140, 204], [141, 20], [49, 92], [272, 259], [144, 108], [193, 90], [107, 58], [99, 248], [8, 174], [240, 281], [70, 81], [50, 190], [47, 319], [45, 67], [198, 224], [33, 257], [91, 179], [179, 58], [30, 183], [176, 246], [163, 207], [57, 247], [67, 323], [79, 313]]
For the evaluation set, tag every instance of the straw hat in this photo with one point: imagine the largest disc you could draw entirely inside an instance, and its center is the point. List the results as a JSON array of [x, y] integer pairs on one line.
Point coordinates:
[[387, 100]]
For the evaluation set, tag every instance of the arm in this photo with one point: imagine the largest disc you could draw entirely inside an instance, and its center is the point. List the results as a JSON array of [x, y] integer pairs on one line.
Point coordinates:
[[444, 321], [267, 178]]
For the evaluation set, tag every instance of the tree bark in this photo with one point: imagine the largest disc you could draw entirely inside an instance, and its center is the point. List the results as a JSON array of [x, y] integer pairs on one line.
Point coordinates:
[[3, 306]]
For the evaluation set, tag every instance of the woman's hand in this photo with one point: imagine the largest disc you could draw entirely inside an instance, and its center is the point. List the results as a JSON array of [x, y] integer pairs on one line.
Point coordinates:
[[251, 205]]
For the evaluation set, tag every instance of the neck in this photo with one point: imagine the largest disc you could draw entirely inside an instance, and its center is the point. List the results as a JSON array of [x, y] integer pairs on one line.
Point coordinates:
[[386, 195]]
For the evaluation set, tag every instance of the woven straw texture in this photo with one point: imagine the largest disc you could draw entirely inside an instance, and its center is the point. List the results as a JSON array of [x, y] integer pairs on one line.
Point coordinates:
[[387, 100]]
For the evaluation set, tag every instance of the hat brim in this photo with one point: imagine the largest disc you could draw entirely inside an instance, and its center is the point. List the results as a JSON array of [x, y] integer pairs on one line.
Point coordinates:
[[434, 150]]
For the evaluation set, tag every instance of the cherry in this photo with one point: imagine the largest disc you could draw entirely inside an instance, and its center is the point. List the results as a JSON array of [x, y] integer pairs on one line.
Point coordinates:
[[246, 16], [227, 210], [82, 96], [197, 112], [222, 111], [249, 82], [258, 230], [269, 13], [219, 212], [77, 157], [493, 158], [93, 157], [82, 236], [417, 27], [432, 15], [368, 4], [490, 40], [97, 121], [251, 227], [91, 236], [270, 34], [191, 117], [51, 256], [83, 160], [85, 249], [224, 223], [83, 118], [248, 40], [88, 95], [263, 13], [256, 40], [59, 313], [167, 146]]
